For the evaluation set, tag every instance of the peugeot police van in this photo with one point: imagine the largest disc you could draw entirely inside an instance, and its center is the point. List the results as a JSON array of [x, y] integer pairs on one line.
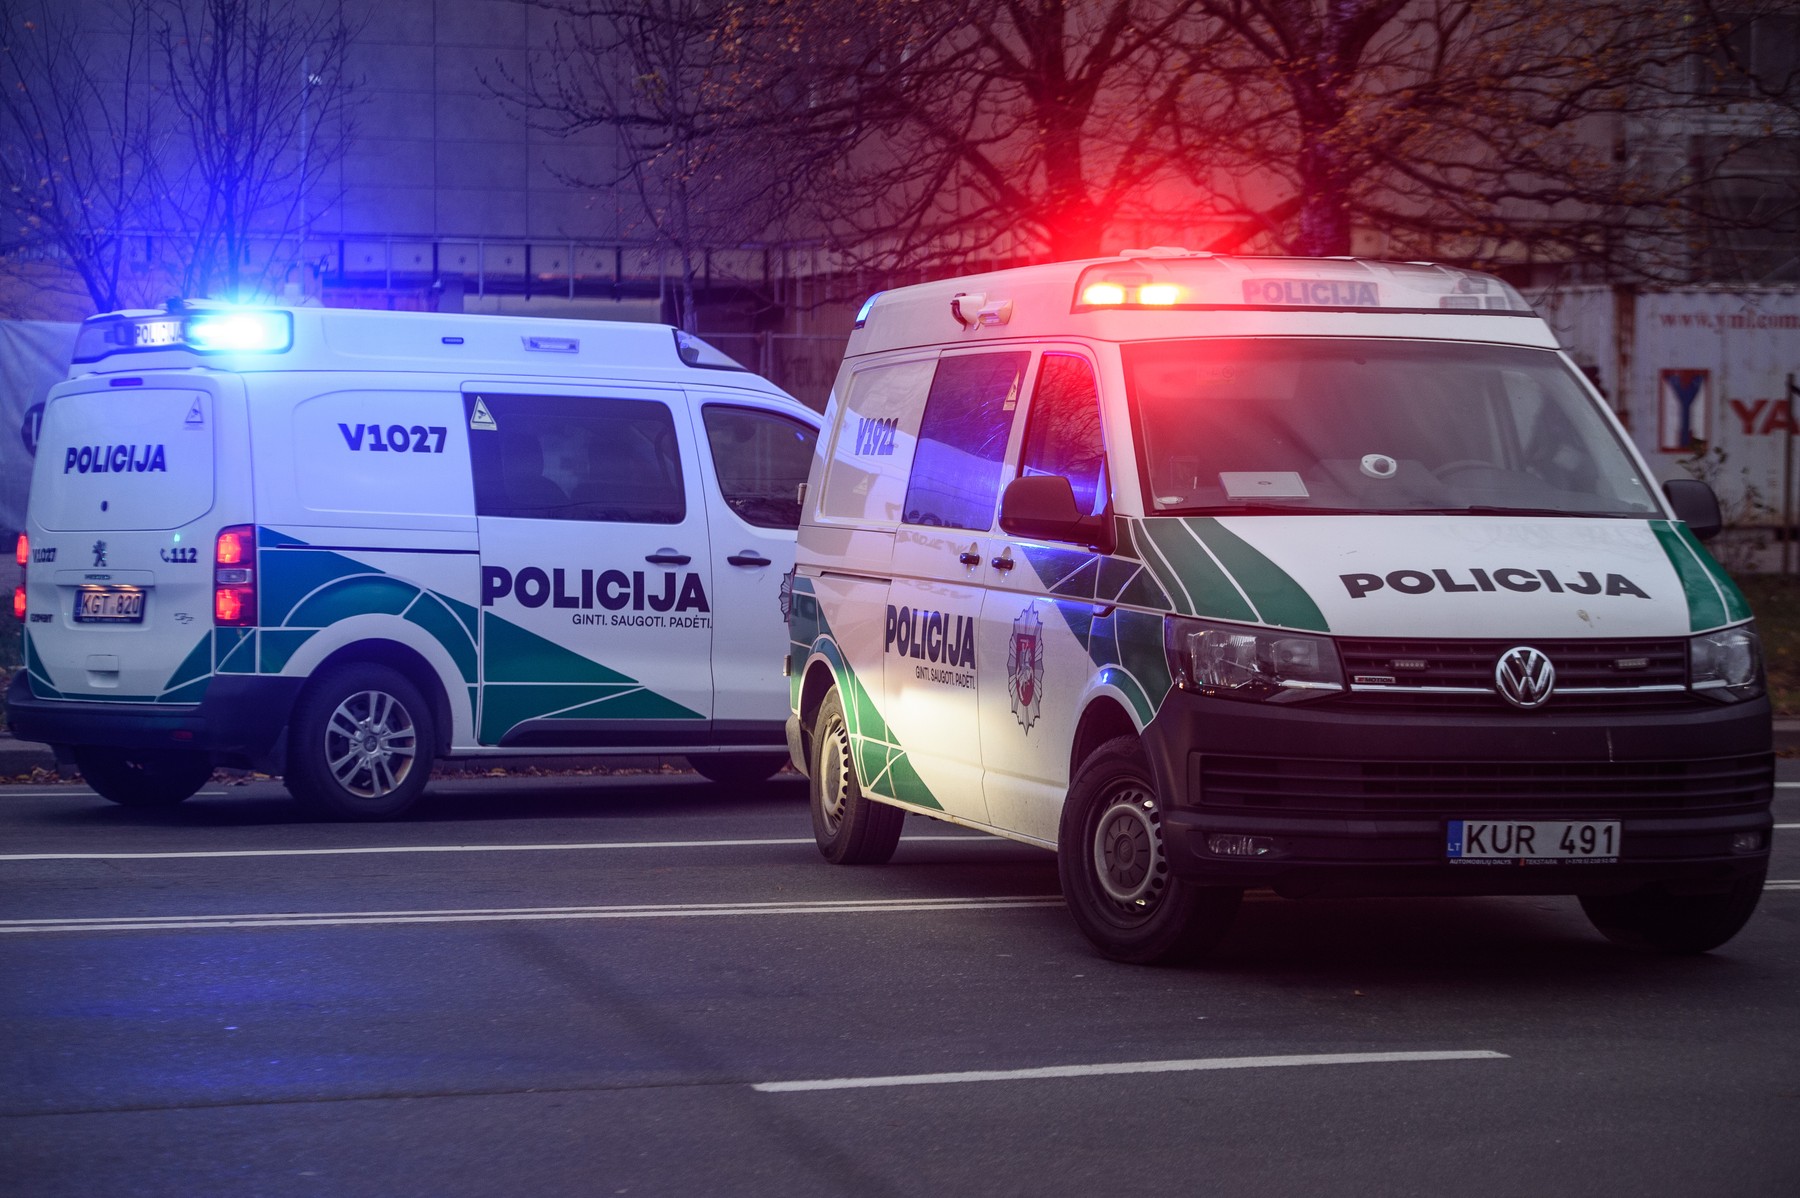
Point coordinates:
[[341, 544], [1328, 576]]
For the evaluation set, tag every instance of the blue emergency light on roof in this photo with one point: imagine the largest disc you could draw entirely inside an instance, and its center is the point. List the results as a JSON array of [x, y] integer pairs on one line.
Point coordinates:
[[1169, 279], [202, 330], [244, 330]]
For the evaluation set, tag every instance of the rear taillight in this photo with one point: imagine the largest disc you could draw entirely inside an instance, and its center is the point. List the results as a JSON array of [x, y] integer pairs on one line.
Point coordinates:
[[22, 555], [234, 577]]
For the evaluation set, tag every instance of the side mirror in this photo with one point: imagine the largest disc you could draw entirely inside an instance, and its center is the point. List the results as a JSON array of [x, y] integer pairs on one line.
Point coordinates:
[[1042, 507], [1695, 505]]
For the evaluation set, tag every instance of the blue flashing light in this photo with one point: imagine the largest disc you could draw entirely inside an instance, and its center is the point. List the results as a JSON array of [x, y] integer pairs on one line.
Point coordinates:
[[247, 331], [862, 313]]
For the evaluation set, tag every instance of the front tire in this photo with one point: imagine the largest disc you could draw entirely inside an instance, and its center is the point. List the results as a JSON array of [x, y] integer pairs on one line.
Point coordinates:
[[1115, 871], [361, 745], [850, 827], [1653, 920], [143, 777], [738, 769]]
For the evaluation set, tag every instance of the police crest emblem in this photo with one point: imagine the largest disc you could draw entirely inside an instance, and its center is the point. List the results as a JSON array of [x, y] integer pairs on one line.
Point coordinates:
[[1025, 667]]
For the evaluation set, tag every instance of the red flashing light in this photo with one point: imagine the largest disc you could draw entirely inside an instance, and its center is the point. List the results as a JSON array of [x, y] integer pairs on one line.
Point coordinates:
[[22, 550], [234, 577], [18, 603]]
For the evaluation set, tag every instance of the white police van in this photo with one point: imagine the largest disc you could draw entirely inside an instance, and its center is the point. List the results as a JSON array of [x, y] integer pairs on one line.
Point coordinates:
[[1328, 576], [340, 544]]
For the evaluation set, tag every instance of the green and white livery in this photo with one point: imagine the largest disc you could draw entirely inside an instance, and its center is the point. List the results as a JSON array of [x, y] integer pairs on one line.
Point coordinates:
[[1334, 577], [340, 545]]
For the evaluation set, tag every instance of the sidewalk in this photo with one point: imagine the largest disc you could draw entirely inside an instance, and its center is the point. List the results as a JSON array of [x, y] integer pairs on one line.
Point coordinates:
[[19, 758]]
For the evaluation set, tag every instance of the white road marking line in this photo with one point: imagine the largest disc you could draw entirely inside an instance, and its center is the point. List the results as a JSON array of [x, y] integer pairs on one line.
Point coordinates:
[[1782, 884], [152, 923], [1787, 825], [1787, 786], [1125, 1067], [7, 792], [469, 848]]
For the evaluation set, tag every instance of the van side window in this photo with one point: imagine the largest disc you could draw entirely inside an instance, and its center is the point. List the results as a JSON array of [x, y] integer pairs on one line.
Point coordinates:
[[962, 440], [761, 459], [564, 457], [1062, 432]]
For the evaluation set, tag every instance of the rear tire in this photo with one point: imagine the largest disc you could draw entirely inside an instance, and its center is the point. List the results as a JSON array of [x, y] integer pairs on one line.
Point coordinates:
[[1653, 920], [143, 777], [361, 745], [738, 769], [1115, 873], [850, 827]]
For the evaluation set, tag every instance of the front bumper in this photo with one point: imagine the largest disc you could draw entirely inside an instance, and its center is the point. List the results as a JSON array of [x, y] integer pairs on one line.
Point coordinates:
[[1358, 804], [239, 722]]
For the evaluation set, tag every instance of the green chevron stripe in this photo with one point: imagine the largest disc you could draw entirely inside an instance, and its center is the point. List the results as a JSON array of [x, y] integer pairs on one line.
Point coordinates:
[[1277, 597], [1706, 602]]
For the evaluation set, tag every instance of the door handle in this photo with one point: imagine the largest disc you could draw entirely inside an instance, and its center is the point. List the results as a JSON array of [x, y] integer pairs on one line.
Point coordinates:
[[748, 558], [1002, 563], [667, 557], [970, 558]]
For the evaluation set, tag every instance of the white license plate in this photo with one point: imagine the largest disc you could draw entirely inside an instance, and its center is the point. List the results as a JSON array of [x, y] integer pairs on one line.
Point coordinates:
[[1532, 842], [109, 605]]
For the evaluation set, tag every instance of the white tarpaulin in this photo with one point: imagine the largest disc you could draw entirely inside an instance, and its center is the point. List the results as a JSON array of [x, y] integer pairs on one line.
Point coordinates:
[[34, 355]]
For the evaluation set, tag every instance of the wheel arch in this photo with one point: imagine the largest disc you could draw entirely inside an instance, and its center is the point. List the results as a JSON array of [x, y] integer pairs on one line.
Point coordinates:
[[1104, 717], [405, 660], [815, 684]]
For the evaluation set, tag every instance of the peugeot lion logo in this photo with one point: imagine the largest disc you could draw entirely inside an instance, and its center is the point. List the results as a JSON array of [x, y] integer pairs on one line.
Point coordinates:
[[1524, 677]]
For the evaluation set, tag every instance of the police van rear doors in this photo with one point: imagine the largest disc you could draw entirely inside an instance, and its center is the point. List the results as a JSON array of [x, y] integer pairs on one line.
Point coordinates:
[[126, 515]]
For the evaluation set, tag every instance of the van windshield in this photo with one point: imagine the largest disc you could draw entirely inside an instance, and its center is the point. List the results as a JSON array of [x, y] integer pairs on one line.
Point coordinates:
[[1271, 424]]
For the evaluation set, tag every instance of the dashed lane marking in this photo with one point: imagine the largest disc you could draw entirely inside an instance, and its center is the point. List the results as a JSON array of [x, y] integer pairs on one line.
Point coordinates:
[[1125, 1067], [159, 923]]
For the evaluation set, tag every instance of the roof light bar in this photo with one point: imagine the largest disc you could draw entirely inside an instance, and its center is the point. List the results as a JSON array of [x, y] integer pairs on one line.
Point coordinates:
[[245, 331], [206, 331]]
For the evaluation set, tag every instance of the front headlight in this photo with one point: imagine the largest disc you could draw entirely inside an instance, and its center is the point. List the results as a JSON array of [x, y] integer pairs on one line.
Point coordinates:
[[1231, 661], [1727, 665]]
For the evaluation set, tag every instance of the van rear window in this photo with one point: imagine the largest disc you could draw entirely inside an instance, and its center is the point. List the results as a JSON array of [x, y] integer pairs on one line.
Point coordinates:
[[563, 457]]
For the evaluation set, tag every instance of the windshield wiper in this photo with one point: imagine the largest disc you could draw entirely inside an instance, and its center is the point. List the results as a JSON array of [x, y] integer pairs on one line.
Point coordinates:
[[1492, 510], [1264, 509]]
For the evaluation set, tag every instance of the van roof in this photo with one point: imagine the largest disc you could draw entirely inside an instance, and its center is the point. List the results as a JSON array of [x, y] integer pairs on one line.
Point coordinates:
[[255, 340], [1171, 292]]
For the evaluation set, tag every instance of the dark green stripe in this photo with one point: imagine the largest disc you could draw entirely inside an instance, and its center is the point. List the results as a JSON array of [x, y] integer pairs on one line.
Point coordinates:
[[1737, 607], [1195, 573], [1278, 598], [1705, 608]]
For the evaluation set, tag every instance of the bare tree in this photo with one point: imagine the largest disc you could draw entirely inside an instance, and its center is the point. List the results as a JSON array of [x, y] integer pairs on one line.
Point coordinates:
[[1028, 128], [258, 91], [153, 145], [1478, 130], [77, 140], [695, 94]]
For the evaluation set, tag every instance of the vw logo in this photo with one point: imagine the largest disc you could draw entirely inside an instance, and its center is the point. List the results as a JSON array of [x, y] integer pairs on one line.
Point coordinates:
[[1524, 677]]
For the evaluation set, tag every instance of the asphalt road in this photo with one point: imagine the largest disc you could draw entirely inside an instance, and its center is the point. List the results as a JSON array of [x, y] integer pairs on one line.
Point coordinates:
[[653, 985]]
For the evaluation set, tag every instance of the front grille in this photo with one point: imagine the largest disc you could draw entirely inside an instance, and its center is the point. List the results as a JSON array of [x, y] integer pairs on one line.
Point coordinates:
[[1311, 786], [1404, 674]]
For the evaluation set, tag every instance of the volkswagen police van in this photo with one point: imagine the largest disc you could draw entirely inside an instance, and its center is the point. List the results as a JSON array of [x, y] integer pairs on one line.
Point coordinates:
[[341, 544], [1333, 577]]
